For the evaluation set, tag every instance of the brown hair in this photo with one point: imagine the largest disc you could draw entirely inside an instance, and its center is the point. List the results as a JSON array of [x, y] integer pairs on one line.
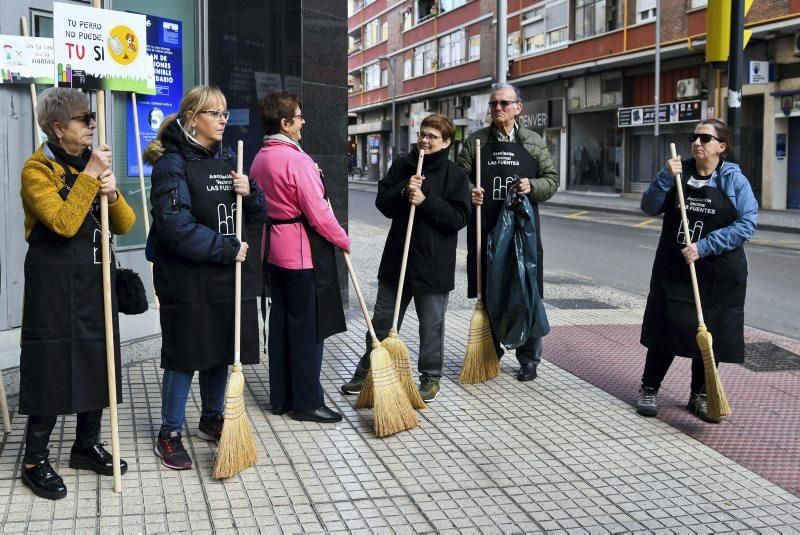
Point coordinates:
[[275, 107], [724, 135], [195, 100], [442, 124]]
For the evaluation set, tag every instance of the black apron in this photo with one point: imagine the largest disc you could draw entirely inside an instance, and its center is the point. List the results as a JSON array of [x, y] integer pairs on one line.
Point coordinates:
[[330, 313], [501, 162], [670, 319], [196, 298], [63, 345]]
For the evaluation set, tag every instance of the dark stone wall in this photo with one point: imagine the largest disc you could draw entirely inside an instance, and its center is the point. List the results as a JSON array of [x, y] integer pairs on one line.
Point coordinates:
[[324, 61]]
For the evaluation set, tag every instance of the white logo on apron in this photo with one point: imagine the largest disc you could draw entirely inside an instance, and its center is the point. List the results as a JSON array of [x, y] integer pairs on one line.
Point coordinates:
[[225, 220], [96, 238], [696, 232], [499, 188]]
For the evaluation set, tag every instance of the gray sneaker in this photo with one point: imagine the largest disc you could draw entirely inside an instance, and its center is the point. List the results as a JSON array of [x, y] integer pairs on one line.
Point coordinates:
[[428, 389], [646, 404], [698, 404], [353, 386]]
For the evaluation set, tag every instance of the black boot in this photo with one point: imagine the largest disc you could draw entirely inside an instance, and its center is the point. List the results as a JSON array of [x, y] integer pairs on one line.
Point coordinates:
[[44, 481], [96, 459]]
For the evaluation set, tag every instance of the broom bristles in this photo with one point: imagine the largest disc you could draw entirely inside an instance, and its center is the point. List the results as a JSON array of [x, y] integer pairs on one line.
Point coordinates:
[[237, 445], [399, 353], [716, 398], [365, 396], [481, 362], [392, 409]]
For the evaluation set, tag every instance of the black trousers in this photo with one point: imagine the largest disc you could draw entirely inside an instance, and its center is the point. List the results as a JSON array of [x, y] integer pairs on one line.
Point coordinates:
[[656, 366], [295, 357], [37, 436]]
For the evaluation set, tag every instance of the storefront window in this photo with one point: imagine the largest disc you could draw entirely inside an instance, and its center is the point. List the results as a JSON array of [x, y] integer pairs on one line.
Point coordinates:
[[595, 152]]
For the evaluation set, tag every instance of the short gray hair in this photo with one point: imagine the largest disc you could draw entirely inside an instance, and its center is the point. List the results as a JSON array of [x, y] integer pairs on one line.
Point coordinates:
[[505, 85], [59, 105]]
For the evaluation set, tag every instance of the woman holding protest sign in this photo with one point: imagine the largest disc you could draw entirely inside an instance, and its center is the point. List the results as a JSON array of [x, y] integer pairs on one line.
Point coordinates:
[[63, 352], [193, 247]]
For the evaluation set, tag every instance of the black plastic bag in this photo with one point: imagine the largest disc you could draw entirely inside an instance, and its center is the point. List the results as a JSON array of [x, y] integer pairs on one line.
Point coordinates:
[[131, 296], [513, 303]]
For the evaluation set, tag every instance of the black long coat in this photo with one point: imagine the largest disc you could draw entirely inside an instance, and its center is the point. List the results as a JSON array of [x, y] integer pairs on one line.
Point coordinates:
[[445, 210]]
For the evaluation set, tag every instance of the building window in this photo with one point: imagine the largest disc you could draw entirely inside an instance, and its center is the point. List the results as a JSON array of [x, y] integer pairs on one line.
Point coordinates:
[[353, 6], [545, 26], [425, 58], [408, 19], [425, 10], [451, 49], [385, 31], [475, 47], [645, 10], [374, 77], [372, 35], [513, 44], [699, 3], [593, 17], [449, 5], [408, 68]]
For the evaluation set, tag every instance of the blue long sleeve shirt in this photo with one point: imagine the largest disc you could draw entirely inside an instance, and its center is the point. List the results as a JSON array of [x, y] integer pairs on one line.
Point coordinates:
[[730, 179]]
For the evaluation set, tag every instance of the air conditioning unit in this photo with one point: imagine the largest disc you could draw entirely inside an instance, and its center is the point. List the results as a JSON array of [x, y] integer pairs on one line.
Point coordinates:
[[797, 44], [688, 88], [429, 105]]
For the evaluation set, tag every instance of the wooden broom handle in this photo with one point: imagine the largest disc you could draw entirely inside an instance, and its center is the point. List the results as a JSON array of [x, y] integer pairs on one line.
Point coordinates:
[[360, 297], [237, 307], [478, 218], [36, 131], [106, 258], [687, 240], [406, 246]]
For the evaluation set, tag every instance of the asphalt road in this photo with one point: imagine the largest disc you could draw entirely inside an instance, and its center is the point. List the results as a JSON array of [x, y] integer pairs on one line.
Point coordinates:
[[617, 251]]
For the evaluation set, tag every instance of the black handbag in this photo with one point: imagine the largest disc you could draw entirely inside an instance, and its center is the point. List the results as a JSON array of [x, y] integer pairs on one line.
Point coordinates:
[[131, 296]]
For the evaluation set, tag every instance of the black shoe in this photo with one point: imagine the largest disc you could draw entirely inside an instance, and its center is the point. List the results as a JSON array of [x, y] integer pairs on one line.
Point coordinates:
[[173, 455], [354, 385], [320, 414], [44, 481], [527, 372], [96, 459], [210, 427], [279, 410]]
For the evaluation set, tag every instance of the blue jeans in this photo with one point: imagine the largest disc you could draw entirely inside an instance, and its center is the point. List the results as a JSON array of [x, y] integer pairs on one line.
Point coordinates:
[[175, 392]]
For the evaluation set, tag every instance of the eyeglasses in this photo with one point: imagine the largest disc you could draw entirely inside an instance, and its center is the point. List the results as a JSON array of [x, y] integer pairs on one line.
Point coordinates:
[[503, 103], [427, 135], [87, 118], [704, 138], [216, 114]]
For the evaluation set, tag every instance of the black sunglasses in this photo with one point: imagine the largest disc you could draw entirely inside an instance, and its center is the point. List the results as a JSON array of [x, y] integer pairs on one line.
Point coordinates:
[[87, 118], [503, 103], [704, 138]]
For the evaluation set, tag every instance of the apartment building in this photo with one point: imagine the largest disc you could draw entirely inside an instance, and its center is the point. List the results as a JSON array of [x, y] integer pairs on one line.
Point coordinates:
[[586, 71]]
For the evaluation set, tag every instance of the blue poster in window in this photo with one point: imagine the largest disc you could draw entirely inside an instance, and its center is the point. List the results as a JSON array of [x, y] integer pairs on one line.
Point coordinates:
[[164, 42]]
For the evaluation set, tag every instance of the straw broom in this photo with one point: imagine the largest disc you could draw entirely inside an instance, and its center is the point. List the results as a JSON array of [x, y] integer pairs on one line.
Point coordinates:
[[237, 446], [481, 362], [715, 393], [392, 410], [396, 348]]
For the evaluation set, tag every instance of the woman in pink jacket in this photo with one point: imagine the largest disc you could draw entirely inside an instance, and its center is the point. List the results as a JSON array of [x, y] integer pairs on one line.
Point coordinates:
[[301, 265]]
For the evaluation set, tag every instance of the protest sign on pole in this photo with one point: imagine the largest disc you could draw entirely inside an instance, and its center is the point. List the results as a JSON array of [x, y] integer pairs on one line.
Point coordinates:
[[26, 60], [101, 49]]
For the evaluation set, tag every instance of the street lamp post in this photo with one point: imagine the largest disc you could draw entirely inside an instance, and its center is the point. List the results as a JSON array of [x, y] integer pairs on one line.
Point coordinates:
[[390, 61]]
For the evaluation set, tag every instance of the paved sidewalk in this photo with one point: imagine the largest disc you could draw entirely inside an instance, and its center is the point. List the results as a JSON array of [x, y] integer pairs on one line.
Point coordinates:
[[557, 454]]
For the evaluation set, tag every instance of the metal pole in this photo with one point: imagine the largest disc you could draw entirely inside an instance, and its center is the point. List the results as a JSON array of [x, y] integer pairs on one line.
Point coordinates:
[[657, 96], [736, 68], [502, 40]]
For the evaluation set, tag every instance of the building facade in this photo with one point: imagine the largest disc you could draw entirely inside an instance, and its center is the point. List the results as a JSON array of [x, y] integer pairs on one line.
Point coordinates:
[[586, 72], [246, 48]]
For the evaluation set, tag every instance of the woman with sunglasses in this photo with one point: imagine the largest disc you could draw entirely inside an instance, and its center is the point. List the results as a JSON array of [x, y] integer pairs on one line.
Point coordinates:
[[193, 247], [63, 352], [441, 195], [722, 213]]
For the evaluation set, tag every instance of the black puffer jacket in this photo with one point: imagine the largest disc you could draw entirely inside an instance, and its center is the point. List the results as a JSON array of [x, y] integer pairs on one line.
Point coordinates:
[[174, 225], [445, 211]]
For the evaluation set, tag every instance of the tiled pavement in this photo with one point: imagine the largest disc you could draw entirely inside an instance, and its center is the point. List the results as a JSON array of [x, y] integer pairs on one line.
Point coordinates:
[[557, 454]]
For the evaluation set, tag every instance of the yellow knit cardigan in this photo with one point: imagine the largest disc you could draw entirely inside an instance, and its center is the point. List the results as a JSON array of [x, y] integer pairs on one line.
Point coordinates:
[[42, 179]]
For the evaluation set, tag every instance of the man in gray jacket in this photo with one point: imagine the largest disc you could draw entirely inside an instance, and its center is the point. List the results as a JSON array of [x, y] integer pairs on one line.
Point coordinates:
[[538, 180]]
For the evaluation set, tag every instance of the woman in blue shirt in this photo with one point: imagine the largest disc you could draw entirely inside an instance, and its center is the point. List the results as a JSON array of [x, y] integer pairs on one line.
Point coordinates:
[[722, 213]]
